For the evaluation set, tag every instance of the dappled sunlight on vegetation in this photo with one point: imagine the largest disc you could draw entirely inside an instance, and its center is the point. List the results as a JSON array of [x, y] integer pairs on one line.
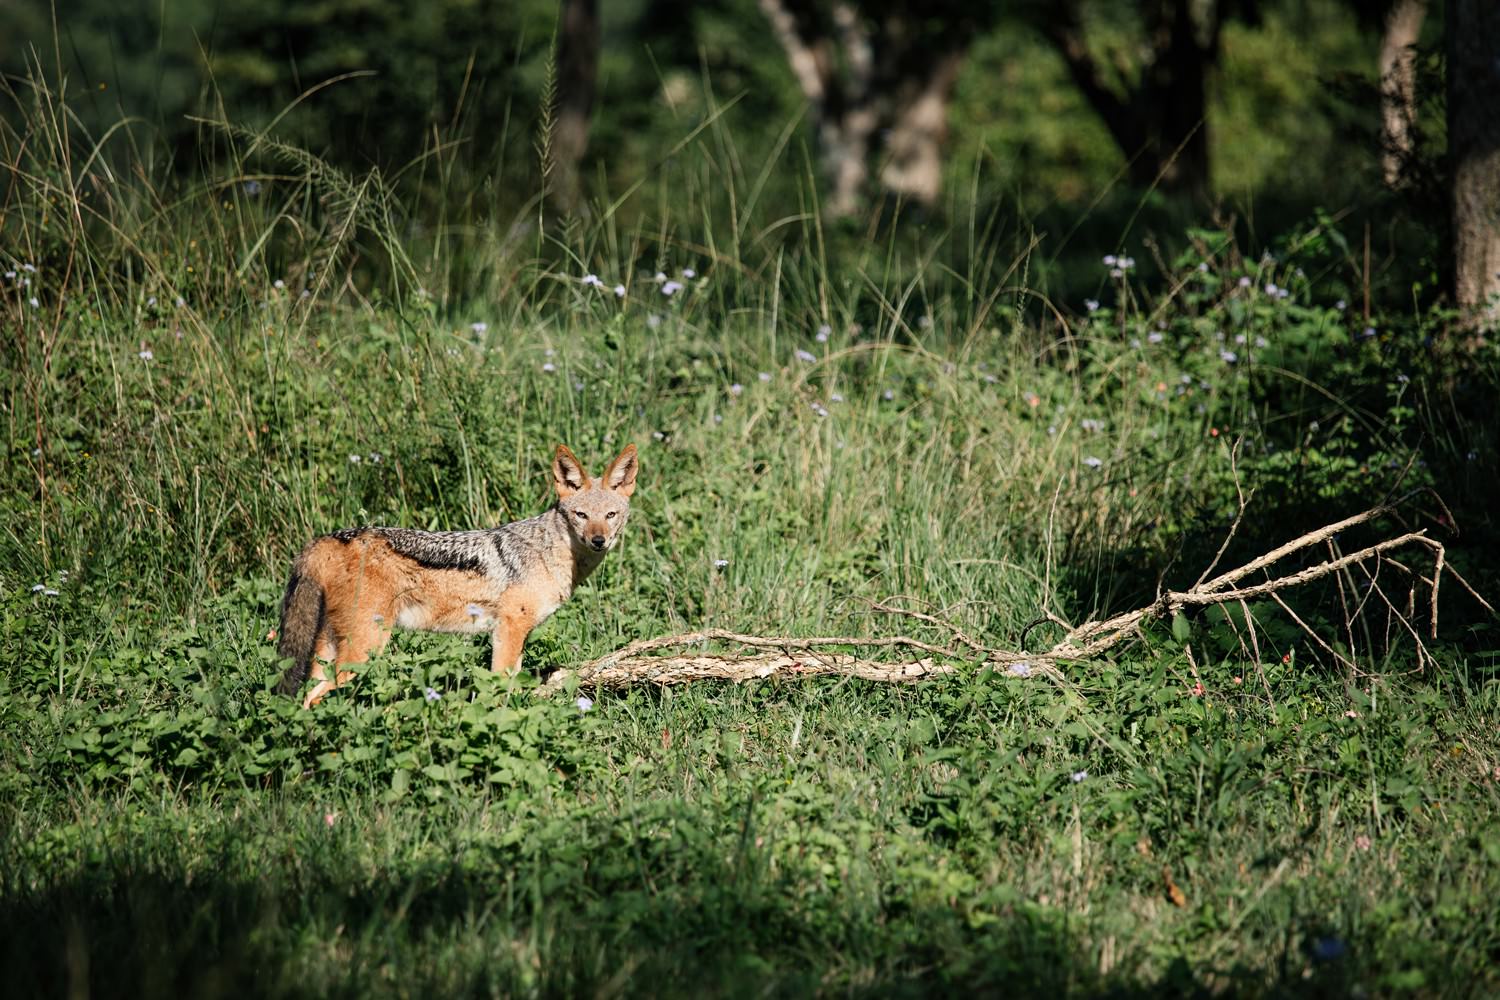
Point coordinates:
[[1040, 397]]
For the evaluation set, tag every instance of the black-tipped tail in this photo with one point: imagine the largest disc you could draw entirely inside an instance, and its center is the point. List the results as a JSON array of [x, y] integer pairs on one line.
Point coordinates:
[[302, 620]]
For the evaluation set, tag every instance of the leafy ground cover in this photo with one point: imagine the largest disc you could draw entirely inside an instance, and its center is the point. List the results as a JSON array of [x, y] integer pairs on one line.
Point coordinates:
[[205, 375]]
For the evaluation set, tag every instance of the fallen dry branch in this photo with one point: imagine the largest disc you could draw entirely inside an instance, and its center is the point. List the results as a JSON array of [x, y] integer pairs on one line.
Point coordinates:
[[782, 656]]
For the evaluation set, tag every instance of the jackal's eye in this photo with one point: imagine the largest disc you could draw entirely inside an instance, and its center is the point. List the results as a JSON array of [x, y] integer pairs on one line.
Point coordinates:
[[610, 514], [580, 515]]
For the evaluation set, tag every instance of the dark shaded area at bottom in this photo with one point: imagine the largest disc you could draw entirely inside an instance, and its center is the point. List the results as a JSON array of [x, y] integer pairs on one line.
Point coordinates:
[[445, 931]]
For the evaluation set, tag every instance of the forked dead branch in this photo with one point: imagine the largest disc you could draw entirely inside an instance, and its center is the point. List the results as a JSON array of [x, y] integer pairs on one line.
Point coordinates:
[[787, 656]]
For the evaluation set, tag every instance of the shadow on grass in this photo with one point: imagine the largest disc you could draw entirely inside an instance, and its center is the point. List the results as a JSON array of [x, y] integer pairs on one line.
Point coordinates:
[[453, 929]]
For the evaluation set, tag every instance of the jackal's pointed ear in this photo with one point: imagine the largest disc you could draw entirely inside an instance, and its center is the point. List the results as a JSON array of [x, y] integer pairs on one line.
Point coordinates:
[[620, 476], [567, 473]]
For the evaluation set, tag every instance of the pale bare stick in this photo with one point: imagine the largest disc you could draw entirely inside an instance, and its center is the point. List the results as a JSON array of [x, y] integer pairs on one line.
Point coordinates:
[[1279, 553], [809, 656]]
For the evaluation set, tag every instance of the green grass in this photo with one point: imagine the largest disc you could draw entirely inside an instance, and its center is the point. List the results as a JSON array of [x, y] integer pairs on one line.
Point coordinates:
[[956, 442]]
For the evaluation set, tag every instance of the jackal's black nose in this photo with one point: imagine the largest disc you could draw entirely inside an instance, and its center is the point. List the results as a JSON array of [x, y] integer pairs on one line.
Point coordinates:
[[597, 541]]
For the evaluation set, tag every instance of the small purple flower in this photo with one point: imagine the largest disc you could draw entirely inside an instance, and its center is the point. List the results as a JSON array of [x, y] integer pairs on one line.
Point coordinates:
[[592, 280], [145, 355], [823, 333], [834, 397], [807, 356], [888, 395], [1021, 669], [1368, 332], [688, 273], [671, 287], [1092, 305], [1245, 281], [764, 376], [1078, 776], [1341, 305], [1092, 462], [431, 694], [720, 563], [549, 367], [584, 703], [1154, 337], [736, 389], [479, 328], [356, 459], [1228, 357], [37, 588], [619, 291]]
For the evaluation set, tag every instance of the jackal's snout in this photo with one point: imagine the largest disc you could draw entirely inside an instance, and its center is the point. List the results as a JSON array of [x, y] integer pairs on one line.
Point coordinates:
[[597, 542]]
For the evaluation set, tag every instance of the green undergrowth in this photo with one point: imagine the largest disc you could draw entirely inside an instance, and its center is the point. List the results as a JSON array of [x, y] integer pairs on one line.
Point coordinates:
[[1109, 831], [206, 371]]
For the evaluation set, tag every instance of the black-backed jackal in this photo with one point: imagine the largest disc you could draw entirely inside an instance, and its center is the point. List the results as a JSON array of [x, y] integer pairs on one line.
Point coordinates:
[[348, 590]]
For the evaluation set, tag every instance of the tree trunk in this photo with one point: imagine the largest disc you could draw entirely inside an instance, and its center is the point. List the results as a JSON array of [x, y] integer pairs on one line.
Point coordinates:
[[915, 167], [1398, 87], [1161, 123], [1175, 94], [577, 82], [861, 77], [1473, 28]]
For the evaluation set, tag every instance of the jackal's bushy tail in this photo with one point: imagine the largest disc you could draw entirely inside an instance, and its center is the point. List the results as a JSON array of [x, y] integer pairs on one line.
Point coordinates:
[[302, 611]]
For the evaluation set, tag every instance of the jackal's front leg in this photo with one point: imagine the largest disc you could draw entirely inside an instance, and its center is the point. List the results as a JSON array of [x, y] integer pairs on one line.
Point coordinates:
[[505, 654]]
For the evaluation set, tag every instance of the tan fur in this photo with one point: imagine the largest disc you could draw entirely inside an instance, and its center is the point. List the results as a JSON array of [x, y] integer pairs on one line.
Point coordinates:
[[349, 590]]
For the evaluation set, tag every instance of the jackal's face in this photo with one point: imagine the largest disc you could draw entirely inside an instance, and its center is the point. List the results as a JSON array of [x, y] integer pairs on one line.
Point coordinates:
[[595, 509]]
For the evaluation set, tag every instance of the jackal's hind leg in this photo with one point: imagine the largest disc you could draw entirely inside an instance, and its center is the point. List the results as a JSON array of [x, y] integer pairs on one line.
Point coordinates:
[[364, 639]]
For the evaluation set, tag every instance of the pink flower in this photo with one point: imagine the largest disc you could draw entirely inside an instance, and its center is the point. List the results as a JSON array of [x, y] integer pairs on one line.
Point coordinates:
[[1362, 843], [329, 818]]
